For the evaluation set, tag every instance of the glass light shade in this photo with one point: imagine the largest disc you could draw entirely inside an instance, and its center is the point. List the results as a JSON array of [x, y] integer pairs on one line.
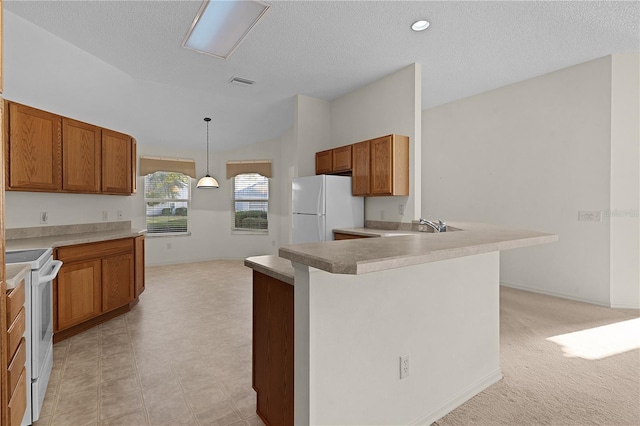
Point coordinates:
[[207, 182], [220, 26], [420, 25]]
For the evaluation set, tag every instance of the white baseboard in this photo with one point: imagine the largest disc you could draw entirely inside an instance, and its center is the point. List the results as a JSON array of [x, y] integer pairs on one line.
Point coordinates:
[[461, 398], [554, 294], [618, 306]]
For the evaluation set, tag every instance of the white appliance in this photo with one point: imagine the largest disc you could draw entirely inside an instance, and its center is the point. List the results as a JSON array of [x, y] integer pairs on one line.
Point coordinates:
[[39, 323], [321, 204]]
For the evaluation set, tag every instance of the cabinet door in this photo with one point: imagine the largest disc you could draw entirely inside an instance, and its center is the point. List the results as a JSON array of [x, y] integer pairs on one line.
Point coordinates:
[[78, 293], [361, 168], [134, 165], [34, 149], [117, 281], [324, 162], [116, 162], [342, 159], [139, 254], [382, 166], [81, 156]]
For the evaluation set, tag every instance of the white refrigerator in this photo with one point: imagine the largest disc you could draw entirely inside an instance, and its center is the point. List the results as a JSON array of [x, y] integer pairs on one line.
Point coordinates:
[[322, 203]]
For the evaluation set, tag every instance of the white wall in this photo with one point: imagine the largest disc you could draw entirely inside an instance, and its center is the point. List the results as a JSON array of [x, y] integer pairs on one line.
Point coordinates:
[[625, 181], [389, 105], [352, 329], [312, 127], [531, 155]]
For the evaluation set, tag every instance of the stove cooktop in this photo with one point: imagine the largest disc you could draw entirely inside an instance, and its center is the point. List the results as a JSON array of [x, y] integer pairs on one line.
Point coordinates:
[[23, 256]]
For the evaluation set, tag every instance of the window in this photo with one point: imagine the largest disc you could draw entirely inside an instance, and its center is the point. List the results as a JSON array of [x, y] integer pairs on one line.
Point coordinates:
[[250, 203], [167, 196]]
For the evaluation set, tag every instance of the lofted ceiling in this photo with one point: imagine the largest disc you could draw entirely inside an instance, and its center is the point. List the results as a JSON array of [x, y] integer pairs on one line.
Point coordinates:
[[326, 49]]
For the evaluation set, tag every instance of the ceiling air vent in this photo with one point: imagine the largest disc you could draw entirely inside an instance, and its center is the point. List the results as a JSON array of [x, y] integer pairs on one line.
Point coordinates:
[[241, 81]]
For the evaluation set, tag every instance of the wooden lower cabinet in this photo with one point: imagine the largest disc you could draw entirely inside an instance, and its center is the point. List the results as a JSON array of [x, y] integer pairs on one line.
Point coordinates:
[[79, 286], [18, 402], [342, 236], [273, 349], [97, 282], [117, 281], [139, 267], [15, 383]]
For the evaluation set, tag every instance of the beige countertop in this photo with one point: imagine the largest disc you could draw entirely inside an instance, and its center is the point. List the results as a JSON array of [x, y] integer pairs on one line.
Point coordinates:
[[360, 256], [71, 239], [273, 266], [14, 273]]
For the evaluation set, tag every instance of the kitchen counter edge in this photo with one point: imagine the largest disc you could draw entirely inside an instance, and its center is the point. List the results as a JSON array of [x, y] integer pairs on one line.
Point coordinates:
[[360, 256], [273, 266], [71, 239], [14, 273]]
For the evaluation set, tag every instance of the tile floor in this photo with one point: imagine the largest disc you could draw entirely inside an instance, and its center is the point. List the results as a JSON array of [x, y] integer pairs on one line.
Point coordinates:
[[182, 356]]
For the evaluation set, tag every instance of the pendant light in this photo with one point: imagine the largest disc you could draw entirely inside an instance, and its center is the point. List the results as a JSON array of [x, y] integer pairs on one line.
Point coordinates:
[[207, 182]]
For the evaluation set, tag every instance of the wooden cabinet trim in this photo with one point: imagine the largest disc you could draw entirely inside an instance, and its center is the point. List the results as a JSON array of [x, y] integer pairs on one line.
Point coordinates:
[[18, 402], [15, 302], [14, 334], [16, 365], [95, 250]]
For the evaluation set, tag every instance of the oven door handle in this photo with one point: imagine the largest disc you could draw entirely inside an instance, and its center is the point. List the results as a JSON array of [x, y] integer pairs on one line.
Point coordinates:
[[55, 267]]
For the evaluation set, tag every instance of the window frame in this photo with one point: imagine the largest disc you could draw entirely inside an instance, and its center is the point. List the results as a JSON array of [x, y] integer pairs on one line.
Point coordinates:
[[169, 200], [248, 231]]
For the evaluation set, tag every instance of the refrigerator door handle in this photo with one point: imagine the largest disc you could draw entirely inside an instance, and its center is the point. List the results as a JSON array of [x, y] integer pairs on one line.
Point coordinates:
[[320, 228]]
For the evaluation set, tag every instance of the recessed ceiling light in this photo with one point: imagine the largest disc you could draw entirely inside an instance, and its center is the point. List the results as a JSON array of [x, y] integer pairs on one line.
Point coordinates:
[[420, 25], [220, 26]]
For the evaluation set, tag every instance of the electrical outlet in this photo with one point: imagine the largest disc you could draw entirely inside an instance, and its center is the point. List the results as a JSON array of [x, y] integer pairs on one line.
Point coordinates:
[[273, 243], [168, 246], [584, 216], [381, 214], [404, 366], [44, 217], [105, 215], [119, 214], [401, 208]]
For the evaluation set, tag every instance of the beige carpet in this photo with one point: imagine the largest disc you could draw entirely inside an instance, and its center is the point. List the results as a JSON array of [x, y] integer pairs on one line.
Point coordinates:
[[543, 386]]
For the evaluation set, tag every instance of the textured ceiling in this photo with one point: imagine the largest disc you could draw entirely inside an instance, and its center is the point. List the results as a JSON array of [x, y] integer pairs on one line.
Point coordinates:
[[326, 49]]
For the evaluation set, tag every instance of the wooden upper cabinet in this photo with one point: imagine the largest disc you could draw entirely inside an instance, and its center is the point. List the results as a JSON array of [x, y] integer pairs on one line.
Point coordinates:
[[324, 162], [390, 165], [81, 156], [334, 161], [33, 149], [116, 162], [381, 166], [341, 159], [361, 168], [49, 153]]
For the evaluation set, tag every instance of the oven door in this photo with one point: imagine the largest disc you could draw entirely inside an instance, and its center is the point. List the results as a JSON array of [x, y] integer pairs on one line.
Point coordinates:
[[42, 315]]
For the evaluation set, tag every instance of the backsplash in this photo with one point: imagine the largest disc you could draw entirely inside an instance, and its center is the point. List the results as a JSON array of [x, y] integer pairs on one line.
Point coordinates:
[[47, 231]]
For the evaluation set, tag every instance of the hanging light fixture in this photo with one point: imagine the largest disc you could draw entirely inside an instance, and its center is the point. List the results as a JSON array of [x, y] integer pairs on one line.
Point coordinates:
[[207, 182]]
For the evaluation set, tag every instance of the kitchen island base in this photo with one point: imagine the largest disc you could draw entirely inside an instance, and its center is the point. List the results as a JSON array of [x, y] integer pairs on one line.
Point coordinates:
[[351, 331]]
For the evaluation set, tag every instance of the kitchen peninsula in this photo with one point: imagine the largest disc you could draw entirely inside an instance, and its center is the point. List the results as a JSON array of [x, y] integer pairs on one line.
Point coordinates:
[[361, 304]]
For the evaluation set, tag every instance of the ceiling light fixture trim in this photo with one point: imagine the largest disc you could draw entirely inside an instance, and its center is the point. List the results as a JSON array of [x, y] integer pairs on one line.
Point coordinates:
[[420, 25], [207, 182], [220, 26], [241, 81]]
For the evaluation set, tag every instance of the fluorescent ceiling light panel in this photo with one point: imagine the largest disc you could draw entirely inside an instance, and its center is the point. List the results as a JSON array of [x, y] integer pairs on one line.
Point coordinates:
[[220, 26]]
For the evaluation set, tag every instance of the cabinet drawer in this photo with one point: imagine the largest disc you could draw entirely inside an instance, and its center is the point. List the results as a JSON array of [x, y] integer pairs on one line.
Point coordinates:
[[17, 364], [18, 402], [14, 335], [94, 250], [15, 302]]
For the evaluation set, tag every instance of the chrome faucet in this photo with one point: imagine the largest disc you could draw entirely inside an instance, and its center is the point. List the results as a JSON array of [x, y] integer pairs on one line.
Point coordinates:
[[439, 227]]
